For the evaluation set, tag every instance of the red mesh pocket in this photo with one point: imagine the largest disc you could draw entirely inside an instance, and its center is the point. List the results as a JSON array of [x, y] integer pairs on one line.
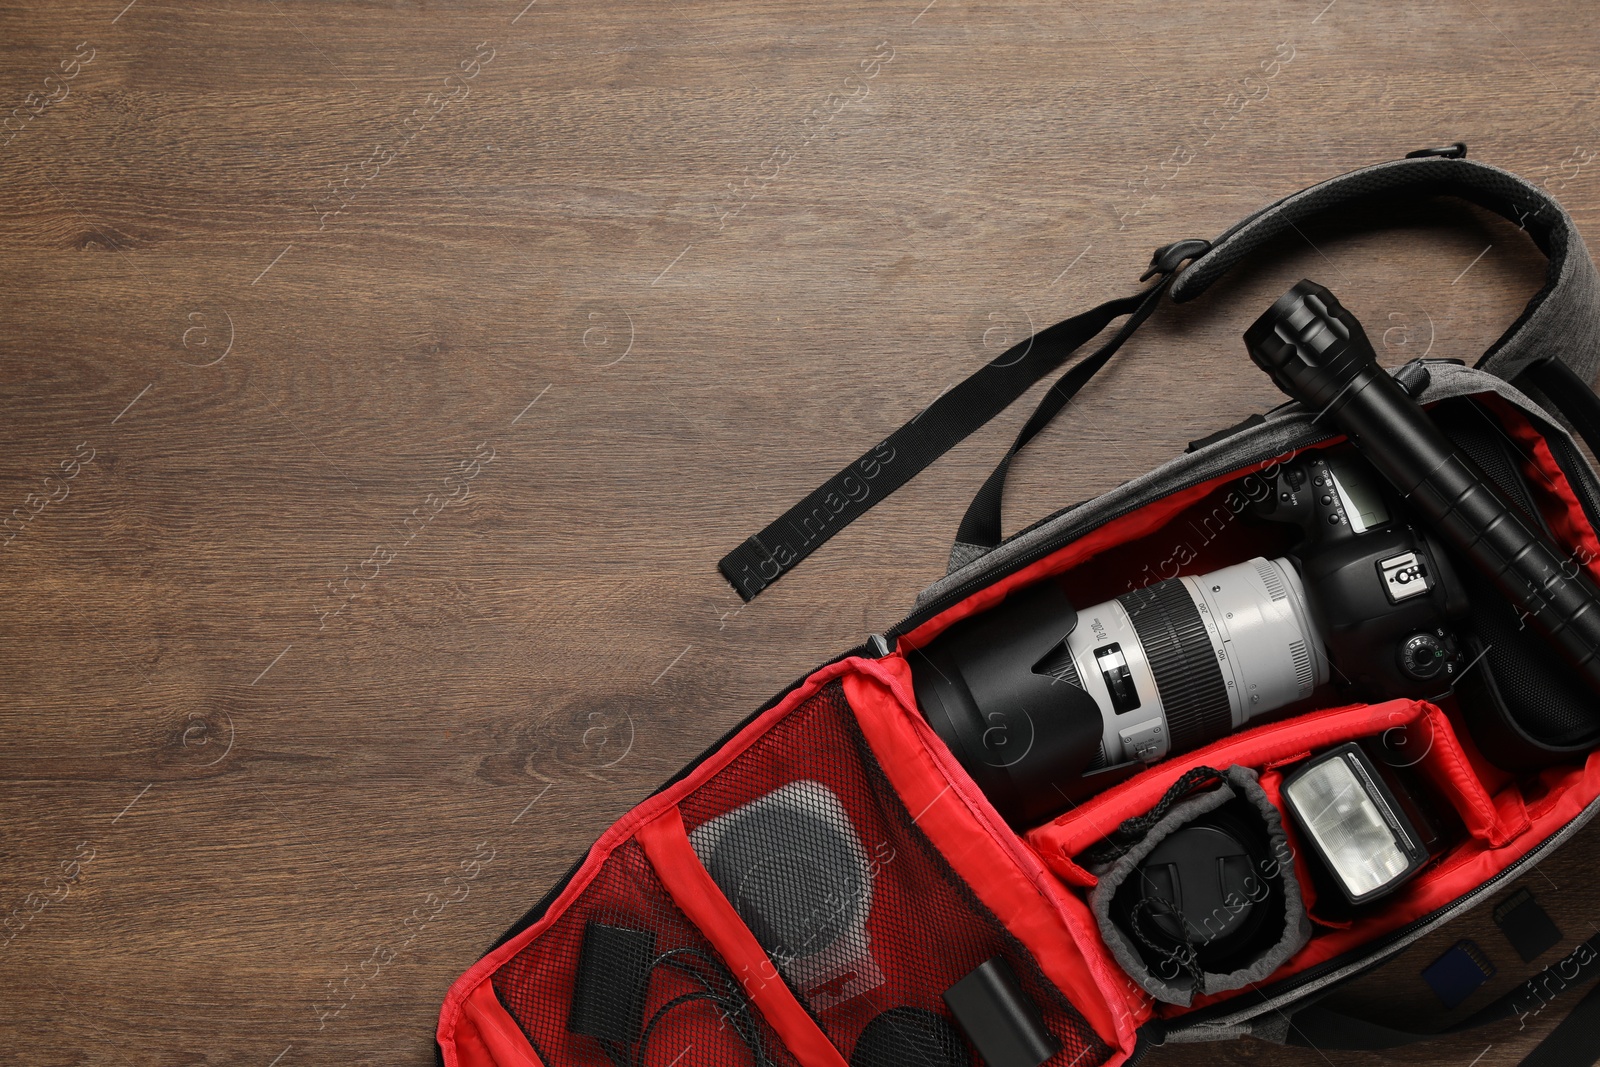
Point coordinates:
[[690, 1010], [860, 913]]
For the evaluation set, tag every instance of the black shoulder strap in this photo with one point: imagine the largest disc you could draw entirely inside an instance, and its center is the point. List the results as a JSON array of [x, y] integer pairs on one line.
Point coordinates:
[[980, 528], [1574, 1043], [1562, 318], [892, 462]]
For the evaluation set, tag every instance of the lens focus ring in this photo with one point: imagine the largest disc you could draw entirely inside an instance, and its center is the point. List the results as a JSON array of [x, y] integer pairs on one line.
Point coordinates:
[[1188, 678]]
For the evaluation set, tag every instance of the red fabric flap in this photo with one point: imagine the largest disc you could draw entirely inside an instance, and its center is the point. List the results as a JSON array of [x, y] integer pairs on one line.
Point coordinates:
[[666, 843], [488, 1036], [970, 834]]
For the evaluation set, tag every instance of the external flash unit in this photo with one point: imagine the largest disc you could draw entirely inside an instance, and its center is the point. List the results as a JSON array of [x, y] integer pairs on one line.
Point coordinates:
[[1351, 818]]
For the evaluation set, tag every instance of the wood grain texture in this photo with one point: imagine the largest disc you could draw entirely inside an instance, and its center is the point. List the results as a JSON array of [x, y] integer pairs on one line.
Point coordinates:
[[670, 264]]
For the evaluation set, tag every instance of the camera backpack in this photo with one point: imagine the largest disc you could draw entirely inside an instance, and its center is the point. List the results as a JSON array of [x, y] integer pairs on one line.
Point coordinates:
[[826, 885]]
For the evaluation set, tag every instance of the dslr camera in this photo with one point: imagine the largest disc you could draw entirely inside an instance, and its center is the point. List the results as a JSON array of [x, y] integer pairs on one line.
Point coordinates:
[[1045, 704]]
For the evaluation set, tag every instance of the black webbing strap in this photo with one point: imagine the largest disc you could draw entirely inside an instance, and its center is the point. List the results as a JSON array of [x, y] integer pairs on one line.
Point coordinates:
[[1568, 394], [1318, 1027], [892, 462], [980, 527], [1576, 1042]]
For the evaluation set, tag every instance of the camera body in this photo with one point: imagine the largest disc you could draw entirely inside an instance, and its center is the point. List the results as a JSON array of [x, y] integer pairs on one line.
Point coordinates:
[[1384, 595]]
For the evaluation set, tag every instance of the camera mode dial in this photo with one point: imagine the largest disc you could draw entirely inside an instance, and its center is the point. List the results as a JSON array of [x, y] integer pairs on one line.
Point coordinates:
[[1430, 655]]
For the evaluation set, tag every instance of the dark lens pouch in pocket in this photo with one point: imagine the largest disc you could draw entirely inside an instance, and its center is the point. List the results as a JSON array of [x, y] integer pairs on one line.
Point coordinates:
[[1198, 895]]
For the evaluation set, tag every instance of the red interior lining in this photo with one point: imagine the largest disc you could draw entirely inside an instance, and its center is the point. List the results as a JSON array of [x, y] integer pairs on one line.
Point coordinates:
[[1505, 816], [1559, 502]]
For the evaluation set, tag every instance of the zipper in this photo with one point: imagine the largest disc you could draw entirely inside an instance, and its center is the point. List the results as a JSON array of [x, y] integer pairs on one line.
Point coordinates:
[[1375, 952], [1203, 473], [1579, 475], [881, 644]]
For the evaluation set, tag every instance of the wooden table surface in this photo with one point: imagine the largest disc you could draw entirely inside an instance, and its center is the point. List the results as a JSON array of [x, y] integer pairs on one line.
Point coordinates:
[[382, 381]]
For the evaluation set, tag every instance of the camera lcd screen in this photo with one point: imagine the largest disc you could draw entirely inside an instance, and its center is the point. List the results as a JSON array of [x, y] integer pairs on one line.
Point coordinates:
[[1362, 501]]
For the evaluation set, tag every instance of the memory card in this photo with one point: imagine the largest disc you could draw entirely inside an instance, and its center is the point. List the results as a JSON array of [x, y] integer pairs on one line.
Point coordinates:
[[1526, 925], [1455, 975]]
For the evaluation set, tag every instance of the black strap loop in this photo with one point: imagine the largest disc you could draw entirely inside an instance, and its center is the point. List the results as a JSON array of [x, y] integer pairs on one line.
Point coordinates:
[[892, 462], [980, 528]]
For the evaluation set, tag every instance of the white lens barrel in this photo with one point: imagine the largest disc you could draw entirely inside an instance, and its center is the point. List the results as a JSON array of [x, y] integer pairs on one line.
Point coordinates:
[[1256, 615], [1185, 661]]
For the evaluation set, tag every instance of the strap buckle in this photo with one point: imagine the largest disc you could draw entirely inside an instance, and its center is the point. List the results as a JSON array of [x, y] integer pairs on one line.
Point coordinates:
[[1168, 258], [1449, 151]]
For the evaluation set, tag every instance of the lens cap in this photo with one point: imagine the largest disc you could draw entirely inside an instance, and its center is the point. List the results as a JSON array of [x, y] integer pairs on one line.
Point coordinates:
[[1198, 871], [1205, 886]]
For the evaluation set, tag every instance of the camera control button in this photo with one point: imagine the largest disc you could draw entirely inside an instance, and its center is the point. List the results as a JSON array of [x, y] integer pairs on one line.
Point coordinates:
[[1146, 741]]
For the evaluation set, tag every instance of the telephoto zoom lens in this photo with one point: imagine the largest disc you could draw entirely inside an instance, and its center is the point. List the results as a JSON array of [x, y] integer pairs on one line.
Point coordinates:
[[1045, 705]]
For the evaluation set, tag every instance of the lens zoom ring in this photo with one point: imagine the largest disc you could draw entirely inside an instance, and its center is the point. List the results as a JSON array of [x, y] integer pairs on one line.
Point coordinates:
[[1188, 677]]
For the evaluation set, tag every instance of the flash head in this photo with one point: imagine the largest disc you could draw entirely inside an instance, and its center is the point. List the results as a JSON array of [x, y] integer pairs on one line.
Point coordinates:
[[1354, 823]]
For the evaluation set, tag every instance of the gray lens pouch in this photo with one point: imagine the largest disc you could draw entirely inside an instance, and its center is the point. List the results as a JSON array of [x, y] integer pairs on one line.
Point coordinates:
[[1171, 968]]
